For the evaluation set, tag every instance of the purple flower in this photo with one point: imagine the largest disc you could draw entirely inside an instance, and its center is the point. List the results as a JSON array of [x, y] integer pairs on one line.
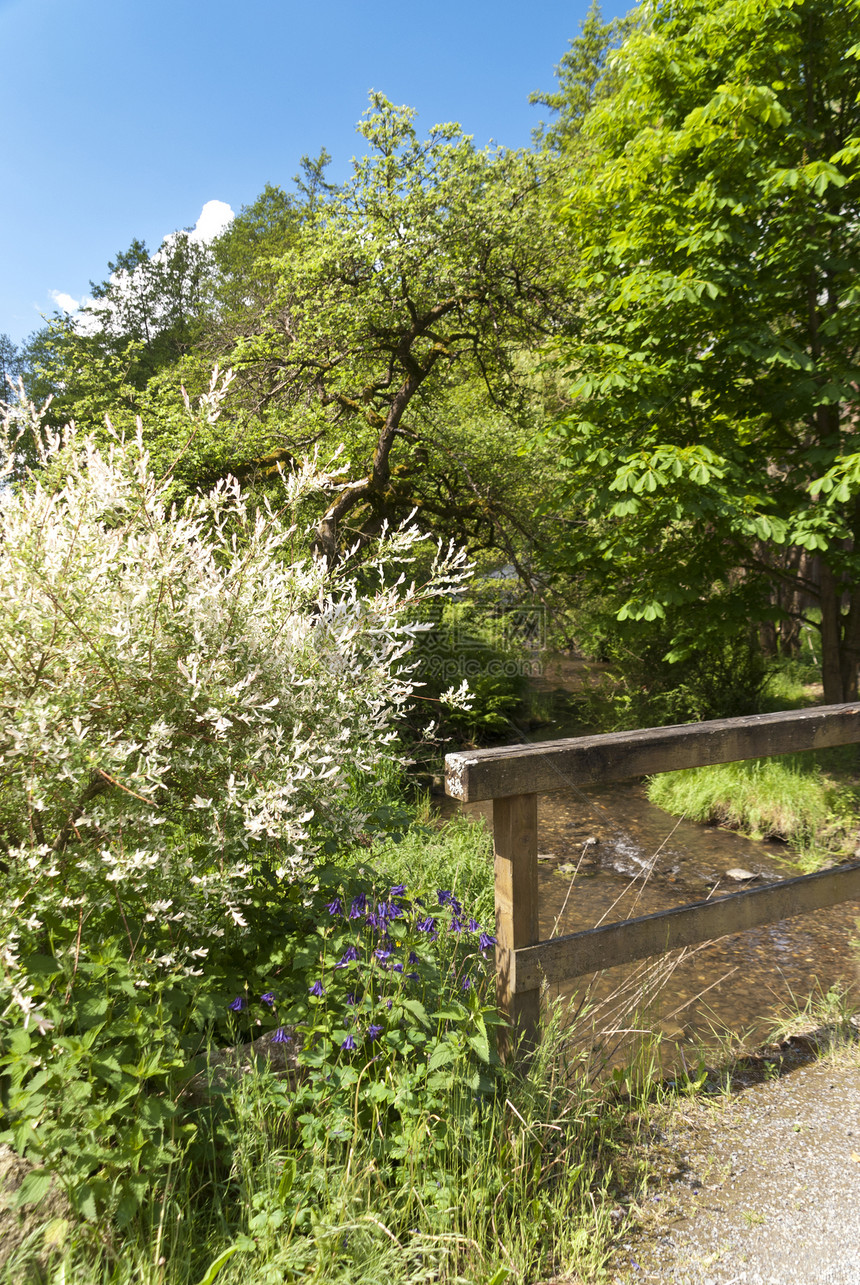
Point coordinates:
[[394, 911], [268, 998], [357, 908], [317, 988], [444, 896], [280, 1037], [485, 941], [427, 925], [412, 977], [473, 926], [455, 906], [456, 926], [413, 958], [398, 890], [348, 1044], [373, 1032], [373, 922], [350, 999], [348, 956], [466, 983], [239, 1003], [382, 954], [398, 968], [388, 1005], [335, 907]]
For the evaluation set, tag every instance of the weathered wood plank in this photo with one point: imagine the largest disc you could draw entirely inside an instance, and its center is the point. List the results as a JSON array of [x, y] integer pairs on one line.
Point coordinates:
[[517, 924], [581, 760], [565, 958]]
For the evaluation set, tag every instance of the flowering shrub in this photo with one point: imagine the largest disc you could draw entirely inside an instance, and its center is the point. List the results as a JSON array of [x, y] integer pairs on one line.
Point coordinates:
[[194, 711], [190, 702]]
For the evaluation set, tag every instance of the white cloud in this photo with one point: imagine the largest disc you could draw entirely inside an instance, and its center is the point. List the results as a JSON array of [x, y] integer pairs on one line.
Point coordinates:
[[215, 218], [65, 302]]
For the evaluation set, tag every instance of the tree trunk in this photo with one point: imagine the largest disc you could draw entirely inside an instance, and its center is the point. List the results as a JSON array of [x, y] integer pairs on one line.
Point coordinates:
[[831, 638]]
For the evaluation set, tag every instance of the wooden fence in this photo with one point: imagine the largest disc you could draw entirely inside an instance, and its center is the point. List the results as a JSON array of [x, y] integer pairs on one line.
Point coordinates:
[[513, 776]]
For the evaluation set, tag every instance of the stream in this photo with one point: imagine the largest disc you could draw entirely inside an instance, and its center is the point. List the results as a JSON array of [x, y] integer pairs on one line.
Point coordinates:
[[605, 853]]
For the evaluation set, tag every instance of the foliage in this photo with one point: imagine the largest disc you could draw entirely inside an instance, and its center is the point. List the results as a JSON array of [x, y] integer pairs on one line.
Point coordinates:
[[653, 683], [585, 78], [711, 441], [356, 324]]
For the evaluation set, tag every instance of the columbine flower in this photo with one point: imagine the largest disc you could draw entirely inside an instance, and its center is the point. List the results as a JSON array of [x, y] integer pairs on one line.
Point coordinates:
[[357, 908], [466, 983], [427, 925], [398, 890], [485, 941], [348, 956], [350, 999], [348, 1044], [268, 998], [413, 958], [473, 926], [444, 896], [280, 1037], [317, 988], [412, 977], [398, 968], [373, 1032], [456, 926], [382, 954], [238, 1004], [335, 907]]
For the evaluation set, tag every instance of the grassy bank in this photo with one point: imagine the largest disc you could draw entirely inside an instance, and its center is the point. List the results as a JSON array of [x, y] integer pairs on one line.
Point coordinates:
[[809, 801]]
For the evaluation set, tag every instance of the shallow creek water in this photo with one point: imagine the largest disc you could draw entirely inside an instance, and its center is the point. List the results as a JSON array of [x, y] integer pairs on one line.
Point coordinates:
[[606, 853]]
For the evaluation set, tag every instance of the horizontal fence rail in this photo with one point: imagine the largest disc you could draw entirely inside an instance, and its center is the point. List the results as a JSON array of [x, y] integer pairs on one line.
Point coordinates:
[[513, 776], [588, 760]]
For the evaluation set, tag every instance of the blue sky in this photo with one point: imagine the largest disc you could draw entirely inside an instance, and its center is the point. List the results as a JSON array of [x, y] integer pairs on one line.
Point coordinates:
[[124, 117]]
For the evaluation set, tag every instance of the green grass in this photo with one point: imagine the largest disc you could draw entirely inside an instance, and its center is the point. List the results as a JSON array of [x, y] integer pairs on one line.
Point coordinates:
[[810, 801], [515, 1184]]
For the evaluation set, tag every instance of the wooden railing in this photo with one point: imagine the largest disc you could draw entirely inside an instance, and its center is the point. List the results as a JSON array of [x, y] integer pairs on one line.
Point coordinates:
[[513, 776]]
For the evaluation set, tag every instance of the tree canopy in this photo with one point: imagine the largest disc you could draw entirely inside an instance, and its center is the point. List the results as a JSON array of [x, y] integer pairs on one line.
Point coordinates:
[[713, 439]]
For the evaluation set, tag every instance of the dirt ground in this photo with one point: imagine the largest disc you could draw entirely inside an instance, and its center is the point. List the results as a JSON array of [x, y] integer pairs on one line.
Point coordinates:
[[757, 1186]]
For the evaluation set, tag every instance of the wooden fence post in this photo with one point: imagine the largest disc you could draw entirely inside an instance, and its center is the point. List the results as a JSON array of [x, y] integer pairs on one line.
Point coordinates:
[[516, 868]]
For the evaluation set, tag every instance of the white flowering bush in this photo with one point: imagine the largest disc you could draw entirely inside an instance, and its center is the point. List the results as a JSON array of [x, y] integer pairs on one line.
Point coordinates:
[[190, 701]]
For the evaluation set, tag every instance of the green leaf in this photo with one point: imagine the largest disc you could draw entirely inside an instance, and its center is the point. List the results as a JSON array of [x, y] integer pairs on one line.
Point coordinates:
[[442, 1055], [34, 1188], [217, 1263]]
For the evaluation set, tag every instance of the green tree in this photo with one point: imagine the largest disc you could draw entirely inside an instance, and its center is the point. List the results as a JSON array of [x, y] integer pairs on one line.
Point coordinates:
[[436, 264], [712, 450], [10, 366], [584, 75]]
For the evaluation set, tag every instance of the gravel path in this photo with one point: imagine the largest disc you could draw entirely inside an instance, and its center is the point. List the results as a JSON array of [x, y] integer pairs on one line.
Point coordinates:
[[765, 1188]]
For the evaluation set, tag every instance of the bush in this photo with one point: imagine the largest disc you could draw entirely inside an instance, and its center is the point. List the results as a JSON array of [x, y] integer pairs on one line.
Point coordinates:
[[194, 710]]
